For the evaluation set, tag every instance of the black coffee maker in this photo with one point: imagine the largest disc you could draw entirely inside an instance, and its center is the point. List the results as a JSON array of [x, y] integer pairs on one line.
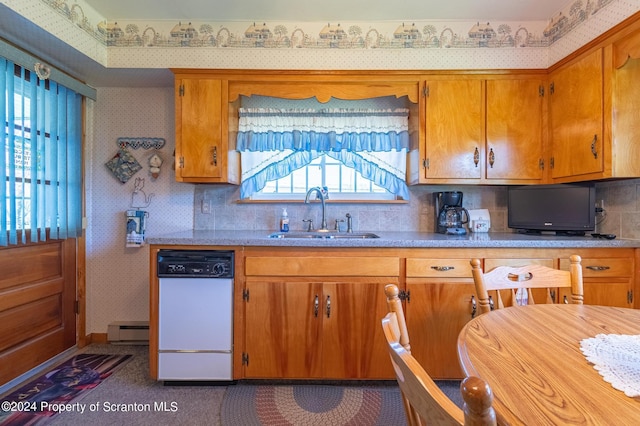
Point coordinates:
[[450, 215]]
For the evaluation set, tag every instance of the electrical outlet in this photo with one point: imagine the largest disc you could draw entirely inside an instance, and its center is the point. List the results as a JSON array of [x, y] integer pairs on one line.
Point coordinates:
[[206, 206]]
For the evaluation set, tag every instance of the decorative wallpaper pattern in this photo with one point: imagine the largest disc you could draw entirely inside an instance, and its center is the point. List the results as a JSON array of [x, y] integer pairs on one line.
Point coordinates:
[[422, 35]]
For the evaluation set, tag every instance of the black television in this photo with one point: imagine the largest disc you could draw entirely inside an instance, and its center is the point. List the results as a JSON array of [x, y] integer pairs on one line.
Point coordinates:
[[566, 209]]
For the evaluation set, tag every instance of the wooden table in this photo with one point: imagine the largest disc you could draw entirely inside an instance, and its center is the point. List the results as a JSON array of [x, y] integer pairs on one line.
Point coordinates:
[[531, 358]]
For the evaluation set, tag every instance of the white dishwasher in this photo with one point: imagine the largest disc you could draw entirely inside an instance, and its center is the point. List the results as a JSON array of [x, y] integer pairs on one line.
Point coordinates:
[[195, 315]]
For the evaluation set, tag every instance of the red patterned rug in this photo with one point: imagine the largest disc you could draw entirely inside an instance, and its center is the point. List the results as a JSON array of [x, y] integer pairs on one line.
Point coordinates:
[[312, 405], [58, 390]]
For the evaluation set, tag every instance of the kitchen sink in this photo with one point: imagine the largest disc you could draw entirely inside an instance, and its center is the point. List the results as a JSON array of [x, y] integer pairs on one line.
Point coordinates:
[[324, 235]]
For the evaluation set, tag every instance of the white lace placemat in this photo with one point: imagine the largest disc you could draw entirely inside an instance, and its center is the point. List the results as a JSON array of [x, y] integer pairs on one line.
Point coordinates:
[[617, 359]]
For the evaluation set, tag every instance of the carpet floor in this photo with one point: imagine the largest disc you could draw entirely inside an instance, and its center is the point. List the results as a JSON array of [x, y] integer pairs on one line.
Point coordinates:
[[125, 396]]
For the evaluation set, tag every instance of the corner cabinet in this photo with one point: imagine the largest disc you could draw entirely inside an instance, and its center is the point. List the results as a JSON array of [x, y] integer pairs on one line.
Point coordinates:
[[487, 130], [593, 114], [204, 152]]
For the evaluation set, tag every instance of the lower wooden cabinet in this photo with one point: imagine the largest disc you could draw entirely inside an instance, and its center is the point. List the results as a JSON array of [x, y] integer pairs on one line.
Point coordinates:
[[315, 314], [311, 317], [439, 302], [440, 294], [608, 279]]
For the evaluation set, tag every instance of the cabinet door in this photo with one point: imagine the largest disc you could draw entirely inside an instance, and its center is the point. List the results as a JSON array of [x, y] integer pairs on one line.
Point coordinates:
[[199, 151], [436, 312], [353, 343], [454, 129], [282, 332], [514, 129], [576, 103]]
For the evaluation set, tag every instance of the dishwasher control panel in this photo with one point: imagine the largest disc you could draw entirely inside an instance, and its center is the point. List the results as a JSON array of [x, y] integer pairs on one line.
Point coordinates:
[[195, 263]]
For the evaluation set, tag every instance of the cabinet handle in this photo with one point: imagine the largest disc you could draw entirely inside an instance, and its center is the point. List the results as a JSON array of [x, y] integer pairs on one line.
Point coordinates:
[[476, 157], [473, 306], [565, 300], [328, 306], [214, 156], [594, 151], [520, 277], [443, 268], [491, 305], [552, 294], [630, 296], [316, 306], [492, 157], [598, 268]]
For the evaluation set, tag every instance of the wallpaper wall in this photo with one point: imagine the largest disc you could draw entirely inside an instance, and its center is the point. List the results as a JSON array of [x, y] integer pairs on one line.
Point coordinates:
[[117, 276], [419, 44]]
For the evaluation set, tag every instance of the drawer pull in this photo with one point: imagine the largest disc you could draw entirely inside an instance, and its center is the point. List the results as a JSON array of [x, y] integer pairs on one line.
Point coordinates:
[[474, 307], [520, 277], [443, 268], [316, 306], [598, 268]]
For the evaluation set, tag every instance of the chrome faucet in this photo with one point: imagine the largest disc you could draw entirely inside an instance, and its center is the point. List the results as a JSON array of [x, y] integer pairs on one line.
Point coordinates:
[[319, 193]]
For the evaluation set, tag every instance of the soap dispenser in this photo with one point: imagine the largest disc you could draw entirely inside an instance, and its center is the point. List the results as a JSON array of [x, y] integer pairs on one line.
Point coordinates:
[[284, 221]]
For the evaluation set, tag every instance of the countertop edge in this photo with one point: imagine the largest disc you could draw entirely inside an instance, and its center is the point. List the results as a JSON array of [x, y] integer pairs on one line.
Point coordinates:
[[389, 240]]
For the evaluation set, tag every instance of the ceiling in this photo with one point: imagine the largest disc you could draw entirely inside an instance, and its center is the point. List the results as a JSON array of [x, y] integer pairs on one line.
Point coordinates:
[[328, 10], [17, 29]]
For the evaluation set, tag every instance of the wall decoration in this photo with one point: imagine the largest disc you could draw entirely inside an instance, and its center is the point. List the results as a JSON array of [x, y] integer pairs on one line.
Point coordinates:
[[154, 165], [419, 34], [123, 165], [145, 143]]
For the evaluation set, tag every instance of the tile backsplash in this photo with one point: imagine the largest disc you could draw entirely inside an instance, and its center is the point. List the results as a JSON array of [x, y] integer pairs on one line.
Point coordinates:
[[621, 200], [415, 215]]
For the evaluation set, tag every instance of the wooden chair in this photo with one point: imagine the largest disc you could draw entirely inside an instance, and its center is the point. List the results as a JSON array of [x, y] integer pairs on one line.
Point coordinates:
[[424, 402], [528, 278]]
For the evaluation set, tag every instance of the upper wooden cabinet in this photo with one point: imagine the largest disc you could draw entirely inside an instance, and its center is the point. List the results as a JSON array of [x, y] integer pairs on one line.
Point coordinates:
[[484, 130], [453, 132], [516, 135], [203, 150], [576, 105], [593, 114]]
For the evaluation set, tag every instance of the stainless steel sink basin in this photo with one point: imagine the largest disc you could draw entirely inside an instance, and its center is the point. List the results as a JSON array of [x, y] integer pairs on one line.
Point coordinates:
[[324, 235]]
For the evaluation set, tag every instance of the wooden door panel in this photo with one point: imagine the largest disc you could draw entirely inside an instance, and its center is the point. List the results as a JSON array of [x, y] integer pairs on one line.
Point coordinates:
[[514, 129], [613, 292], [577, 118], [29, 320], [37, 294], [454, 129], [201, 128], [435, 315], [282, 334], [353, 342]]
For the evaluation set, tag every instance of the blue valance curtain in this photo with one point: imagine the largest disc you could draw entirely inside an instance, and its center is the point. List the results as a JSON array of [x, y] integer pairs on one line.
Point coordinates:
[[276, 142], [42, 157]]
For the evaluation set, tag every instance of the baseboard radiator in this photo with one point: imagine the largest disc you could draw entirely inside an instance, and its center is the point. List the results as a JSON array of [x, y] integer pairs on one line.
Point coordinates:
[[128, 333]]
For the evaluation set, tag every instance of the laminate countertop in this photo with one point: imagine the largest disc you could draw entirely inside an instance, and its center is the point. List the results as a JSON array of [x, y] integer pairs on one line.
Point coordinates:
[[260, 238]]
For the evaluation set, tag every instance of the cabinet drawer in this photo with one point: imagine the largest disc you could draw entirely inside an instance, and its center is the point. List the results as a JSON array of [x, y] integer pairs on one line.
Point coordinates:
[[436, 268], [603, 267], [297, 266], [490, 264]]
